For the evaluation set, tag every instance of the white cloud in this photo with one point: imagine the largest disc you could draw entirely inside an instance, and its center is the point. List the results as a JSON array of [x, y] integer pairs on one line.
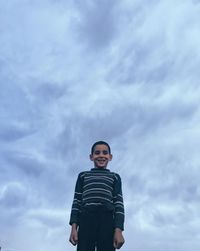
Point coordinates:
[[72, 73]]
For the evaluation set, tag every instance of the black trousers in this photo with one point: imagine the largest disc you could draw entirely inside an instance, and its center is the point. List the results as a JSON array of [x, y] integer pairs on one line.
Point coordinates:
[[96, 230]]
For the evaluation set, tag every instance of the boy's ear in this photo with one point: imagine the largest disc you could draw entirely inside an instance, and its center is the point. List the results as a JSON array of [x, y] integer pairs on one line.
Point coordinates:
[[91, 157], [111, 156]]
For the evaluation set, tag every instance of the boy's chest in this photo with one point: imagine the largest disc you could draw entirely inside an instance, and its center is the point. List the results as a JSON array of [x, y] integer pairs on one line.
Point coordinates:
[[92, 181]]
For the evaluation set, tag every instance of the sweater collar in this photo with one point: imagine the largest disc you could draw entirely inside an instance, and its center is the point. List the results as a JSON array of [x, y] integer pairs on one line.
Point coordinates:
[[100, 169]]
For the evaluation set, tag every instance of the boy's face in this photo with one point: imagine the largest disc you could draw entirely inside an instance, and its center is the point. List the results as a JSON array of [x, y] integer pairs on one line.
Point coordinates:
[[101, 156]]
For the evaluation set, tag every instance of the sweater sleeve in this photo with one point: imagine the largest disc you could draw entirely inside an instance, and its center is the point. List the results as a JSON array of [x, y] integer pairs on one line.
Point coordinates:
[[118, 203], [77, 201]]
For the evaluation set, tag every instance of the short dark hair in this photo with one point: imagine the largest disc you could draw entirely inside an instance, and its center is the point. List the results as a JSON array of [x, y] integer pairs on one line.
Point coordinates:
[[100, 143]]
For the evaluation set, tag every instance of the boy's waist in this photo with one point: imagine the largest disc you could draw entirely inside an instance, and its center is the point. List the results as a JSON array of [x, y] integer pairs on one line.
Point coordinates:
[[97, 208]]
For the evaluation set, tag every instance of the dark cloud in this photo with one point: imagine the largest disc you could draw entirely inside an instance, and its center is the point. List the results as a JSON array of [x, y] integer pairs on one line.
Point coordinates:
[[13, 204], [49, 92], [26, 163], [98, 24], [14, 132], [14, 196]]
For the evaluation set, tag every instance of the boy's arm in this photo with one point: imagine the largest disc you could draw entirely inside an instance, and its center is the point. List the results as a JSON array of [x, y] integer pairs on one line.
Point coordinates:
[[75, 211], [76, 205], [118, 240], [118, 203]]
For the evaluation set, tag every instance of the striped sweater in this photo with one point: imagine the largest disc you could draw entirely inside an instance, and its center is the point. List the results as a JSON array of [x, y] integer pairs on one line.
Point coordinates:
[[98, 188]]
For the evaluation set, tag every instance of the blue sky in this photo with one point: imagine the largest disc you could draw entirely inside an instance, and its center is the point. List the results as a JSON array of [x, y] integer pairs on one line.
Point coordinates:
[[73, 72]]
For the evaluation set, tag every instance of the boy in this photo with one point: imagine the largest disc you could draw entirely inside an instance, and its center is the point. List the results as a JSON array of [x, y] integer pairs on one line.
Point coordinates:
[[97, 215]]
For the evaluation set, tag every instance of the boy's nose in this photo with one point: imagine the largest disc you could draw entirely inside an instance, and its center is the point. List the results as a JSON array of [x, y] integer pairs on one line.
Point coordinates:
[[101, 153]]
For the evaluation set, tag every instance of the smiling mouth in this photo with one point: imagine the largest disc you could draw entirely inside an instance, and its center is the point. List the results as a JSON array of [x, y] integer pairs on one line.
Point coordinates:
[[101, 161]]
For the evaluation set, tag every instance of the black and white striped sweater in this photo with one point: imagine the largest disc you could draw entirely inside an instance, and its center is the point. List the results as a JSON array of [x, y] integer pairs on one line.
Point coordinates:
[[98, 188]]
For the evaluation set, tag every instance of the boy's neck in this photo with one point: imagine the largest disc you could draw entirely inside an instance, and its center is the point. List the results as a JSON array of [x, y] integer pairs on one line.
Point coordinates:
[[99, 168], [96, 167]]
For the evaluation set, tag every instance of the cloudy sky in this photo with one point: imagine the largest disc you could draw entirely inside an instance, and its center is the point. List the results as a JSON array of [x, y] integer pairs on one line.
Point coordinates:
[[73, 72]]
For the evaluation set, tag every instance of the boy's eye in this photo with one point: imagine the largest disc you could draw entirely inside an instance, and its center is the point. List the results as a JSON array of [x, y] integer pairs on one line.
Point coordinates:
[[98, 152]]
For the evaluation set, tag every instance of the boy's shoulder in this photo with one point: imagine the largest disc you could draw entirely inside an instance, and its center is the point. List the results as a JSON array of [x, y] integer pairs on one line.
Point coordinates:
[[116, 175], [82, 174]]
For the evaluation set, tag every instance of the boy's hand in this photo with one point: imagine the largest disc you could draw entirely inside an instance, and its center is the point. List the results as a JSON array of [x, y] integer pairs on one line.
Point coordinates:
[[74, 235], [118, 238]]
